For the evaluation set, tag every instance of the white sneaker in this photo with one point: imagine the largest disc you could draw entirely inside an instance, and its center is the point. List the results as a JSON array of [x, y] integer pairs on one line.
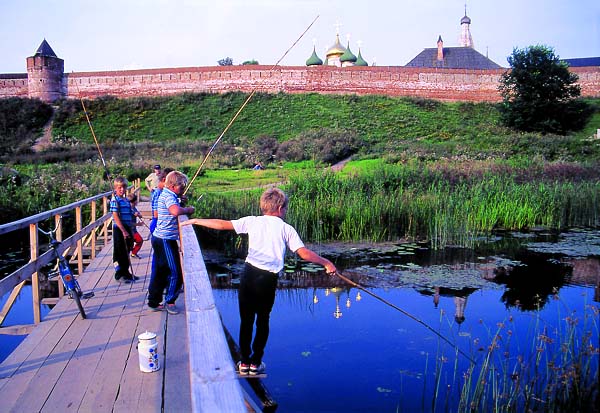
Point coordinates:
[[256, 370]]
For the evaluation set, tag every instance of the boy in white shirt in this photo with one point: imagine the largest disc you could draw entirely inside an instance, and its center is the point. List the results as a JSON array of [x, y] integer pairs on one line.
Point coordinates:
[[268, 237]]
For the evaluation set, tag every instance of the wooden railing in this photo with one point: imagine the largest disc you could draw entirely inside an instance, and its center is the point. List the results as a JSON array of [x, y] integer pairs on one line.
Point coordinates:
[[72, 247], [213, 381]]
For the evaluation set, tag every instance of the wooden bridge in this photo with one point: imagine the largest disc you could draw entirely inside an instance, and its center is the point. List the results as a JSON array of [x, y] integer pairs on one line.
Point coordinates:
[[69, 364]]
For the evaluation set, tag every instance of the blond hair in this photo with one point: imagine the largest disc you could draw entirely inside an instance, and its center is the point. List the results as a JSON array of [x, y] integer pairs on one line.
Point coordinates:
[[175, 178], [273, 200], [119, 180]]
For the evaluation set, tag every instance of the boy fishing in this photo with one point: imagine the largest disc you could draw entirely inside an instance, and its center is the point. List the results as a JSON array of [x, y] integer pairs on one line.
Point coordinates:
[[268, 237], [166, 264], [123, 221]]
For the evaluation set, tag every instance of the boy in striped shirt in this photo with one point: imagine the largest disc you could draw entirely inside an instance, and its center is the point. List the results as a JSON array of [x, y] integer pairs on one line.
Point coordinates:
[[166, 264], [123, 222]]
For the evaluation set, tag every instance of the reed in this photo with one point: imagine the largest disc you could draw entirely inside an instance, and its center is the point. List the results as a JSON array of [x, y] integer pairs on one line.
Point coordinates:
[[557, 372], [445, 204]]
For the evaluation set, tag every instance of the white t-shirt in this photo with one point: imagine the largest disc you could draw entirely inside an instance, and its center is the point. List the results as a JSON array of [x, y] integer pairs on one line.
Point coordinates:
[[268, 237]]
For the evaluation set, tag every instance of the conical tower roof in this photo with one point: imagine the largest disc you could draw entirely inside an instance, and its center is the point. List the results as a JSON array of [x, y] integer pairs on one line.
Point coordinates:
[[314, 60], [45, 50], [360, 61], [348, 56]]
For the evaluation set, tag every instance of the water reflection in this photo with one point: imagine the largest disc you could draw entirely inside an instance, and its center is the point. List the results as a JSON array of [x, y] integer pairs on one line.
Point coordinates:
[[507, 300]]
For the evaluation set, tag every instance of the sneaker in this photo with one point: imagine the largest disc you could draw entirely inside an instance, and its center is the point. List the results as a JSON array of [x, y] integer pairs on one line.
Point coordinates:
[[256, 370], [136, 256], [130, 278], [123, 280], [172, 309], [243, 368], [160, 307]]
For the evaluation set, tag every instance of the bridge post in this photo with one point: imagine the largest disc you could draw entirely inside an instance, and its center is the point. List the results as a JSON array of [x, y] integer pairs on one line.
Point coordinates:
[[35, 285]]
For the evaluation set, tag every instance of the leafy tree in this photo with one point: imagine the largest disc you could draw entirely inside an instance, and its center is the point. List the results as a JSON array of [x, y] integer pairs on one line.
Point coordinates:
[[540, 93], [250, 62], [227, 61]]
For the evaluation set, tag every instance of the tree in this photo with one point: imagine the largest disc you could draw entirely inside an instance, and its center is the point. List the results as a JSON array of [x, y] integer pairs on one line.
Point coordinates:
[[250, 62], [227, 61], [540, 93]]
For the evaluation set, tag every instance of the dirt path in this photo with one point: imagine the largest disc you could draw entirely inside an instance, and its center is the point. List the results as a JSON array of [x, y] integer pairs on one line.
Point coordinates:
[[340, 165], [45, 140]]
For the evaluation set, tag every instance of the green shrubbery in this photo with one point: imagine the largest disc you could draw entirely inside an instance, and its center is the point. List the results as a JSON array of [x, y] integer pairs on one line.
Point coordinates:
[[21, 123]]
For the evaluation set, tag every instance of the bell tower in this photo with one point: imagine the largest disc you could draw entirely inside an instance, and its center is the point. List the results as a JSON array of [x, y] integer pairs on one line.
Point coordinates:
[[465, 40]]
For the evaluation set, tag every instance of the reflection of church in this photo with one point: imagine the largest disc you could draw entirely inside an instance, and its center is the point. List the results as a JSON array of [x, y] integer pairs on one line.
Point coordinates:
[[462, 57]]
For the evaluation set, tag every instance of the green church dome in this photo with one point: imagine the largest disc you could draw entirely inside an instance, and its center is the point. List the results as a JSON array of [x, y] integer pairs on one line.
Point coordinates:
[[360, 61], [314, 60], [348, 56]]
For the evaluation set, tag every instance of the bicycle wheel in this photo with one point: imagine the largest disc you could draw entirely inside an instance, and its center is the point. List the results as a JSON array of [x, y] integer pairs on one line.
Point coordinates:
[[77, 299]]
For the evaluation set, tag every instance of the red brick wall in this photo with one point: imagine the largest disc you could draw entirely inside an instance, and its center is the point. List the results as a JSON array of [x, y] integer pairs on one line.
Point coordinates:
[[442, 84], [448, 84], [14, 86]]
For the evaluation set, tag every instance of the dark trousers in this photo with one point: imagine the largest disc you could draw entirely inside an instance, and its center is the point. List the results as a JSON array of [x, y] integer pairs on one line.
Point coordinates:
[[121, 249], [166, 272], [256, 297]]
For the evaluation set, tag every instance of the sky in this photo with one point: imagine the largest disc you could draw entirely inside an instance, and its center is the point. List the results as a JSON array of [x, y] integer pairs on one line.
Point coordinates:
[[98, 35]]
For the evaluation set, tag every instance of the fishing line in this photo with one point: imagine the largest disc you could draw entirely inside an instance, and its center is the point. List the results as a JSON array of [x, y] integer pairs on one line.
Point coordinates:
[[89, 122], [406, 313], [107, 172], [212, 148]]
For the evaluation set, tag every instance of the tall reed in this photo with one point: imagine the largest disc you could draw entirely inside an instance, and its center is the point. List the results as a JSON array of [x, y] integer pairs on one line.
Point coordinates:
[[557, 372], [422, 201]]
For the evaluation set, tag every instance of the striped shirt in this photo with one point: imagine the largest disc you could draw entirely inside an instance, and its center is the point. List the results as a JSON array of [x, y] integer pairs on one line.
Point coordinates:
[[123, 207], [167, 225], [154, 200]]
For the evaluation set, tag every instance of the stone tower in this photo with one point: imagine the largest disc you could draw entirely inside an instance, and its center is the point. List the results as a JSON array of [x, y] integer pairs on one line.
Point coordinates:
[[45, 73], [465, 39]]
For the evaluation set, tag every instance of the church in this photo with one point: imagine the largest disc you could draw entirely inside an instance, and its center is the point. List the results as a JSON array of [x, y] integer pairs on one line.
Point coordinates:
[[462, 57]]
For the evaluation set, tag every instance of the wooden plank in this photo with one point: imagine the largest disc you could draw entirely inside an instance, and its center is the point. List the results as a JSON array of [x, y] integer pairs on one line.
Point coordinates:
[[214, 385], [177, 391], [86, 362], [22, 384], [141, 391]]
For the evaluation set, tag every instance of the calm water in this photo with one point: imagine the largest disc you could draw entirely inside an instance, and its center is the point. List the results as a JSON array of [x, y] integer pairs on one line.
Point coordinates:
[[372, 358], [338, 349], [21, 313]]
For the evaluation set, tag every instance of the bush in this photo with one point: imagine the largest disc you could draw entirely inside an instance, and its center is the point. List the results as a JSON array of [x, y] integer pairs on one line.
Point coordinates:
[[21, 123], [324, 145]]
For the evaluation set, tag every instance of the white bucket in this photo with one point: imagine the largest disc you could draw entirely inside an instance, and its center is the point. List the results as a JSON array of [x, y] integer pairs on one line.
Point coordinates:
[[148, 352]]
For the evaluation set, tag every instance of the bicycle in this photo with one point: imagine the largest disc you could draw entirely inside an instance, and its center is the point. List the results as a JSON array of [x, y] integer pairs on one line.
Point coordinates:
[[64, 271]]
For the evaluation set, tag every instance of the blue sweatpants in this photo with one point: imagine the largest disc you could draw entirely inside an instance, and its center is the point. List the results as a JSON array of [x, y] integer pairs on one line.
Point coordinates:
[[166, 272]]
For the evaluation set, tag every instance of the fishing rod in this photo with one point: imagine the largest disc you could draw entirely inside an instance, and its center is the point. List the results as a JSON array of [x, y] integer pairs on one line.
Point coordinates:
[[89, 122], [406, 313], [106, 170], [212, 148]]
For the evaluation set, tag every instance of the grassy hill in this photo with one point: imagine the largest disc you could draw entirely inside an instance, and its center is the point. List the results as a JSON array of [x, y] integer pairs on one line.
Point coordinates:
[[373, 126]]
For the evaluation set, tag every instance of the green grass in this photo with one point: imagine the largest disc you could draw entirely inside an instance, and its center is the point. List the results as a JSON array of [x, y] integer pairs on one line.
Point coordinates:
[[389, 126]]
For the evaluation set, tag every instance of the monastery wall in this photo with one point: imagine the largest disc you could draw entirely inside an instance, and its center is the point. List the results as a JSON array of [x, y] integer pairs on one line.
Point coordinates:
[[448, 84], [441, 84], [14, 85]]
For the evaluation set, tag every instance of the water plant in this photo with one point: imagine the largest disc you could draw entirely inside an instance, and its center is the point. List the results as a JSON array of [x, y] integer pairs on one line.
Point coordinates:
[[557, 371], [452, 204]]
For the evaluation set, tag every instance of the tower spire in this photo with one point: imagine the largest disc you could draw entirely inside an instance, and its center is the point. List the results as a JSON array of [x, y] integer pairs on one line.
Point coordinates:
[[465, 39]]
